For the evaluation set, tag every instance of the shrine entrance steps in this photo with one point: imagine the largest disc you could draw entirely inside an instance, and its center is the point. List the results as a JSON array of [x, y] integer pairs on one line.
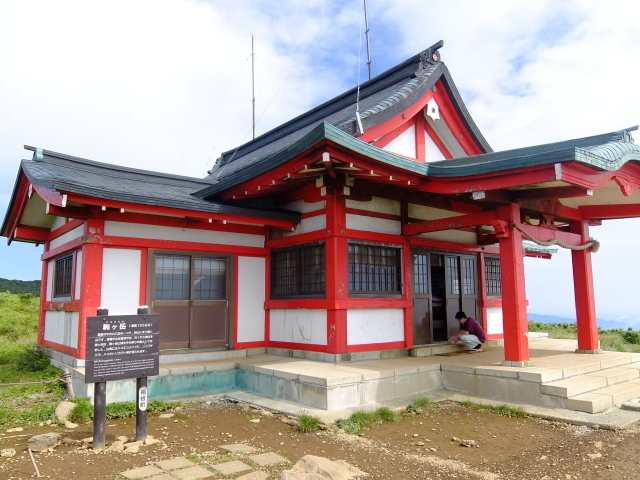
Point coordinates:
[[559, 379]]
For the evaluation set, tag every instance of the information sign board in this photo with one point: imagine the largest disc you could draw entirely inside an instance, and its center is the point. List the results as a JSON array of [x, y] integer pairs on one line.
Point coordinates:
[[122, 346]]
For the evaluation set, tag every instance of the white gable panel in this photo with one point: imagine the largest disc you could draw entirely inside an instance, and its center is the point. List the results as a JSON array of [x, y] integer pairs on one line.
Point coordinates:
[[431, 149], [447, 138], [404, 144]]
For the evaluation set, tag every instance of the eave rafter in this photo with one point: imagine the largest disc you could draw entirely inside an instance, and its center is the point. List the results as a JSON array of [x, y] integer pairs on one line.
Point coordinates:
[[309, 168], [78, 212]]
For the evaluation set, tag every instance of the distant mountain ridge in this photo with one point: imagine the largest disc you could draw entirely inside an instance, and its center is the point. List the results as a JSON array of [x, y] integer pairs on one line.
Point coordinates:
[[20, 286], [602, 323]]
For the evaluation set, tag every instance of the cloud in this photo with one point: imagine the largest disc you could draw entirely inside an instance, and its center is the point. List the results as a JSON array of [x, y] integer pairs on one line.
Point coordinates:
[[132, 83]]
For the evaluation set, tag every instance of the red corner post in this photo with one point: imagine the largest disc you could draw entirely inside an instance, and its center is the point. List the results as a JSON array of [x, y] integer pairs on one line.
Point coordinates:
[[514, 300], [583, 291], [337, 275]]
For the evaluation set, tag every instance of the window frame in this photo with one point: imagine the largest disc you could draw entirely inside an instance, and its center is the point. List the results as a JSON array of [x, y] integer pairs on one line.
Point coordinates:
[[397, 249], [493, 279], [67, 277], [298, 274]]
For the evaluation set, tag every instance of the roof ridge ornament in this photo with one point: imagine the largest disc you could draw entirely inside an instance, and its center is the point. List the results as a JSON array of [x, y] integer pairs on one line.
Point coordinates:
[[623, 136], [429, 57]]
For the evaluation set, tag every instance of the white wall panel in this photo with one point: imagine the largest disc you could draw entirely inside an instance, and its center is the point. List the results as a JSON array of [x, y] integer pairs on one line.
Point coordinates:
[[67, 237], [373, 224], [57, 223], [311, 224], [374, 325], [494, 320], [120, 281], [298, 326], [404, 144], [432, 151], [376, 204], [429, 213], [251, 284], [452, 236], [61, 328], [304, 207], [78, 275], [157, 232]]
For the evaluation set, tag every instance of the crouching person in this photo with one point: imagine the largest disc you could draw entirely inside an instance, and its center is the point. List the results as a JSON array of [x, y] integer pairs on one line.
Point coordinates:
[[471, 333]]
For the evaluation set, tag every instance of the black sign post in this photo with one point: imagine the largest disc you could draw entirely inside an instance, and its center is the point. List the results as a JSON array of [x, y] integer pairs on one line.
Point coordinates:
[[121, 347]]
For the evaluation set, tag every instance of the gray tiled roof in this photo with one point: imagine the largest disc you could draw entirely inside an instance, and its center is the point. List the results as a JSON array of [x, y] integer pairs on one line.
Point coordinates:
[[100, 180], [381, 98]]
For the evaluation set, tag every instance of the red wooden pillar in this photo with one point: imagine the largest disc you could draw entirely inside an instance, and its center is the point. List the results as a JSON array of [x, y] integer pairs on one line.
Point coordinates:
[[43, 296], [91, 280], [583, 291], [514, 301], [337, 275]]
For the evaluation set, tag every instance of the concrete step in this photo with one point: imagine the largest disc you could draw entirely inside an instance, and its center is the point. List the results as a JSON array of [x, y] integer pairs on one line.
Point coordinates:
[[428, 350], [601, 399], [572, 386], [617, 375]]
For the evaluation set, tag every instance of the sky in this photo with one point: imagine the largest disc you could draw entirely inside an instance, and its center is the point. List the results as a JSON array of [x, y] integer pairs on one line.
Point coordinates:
[[165, 85]]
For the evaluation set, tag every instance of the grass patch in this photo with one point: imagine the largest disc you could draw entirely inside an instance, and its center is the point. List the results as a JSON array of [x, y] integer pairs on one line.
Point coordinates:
[[308, 423], [419, 405], [502, 410], [615, 340], [359, 421], [83, 411]]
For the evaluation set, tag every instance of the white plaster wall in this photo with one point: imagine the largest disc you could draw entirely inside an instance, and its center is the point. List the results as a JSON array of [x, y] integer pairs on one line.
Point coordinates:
[[494, 320], [251, 281], [431, 149], [452, 236], [67, 237], [311, 224], [373, 224], [430, 213], [120, 281], [298, 326], [375, 325], [304, 207], [50, 271], [157, 232], [57, 223], [78, 274], [404, 144], [377, 204], [61, 328]]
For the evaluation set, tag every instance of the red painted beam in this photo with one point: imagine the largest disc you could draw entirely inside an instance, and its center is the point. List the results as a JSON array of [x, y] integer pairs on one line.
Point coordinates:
[[548, 234], [152, 209], [449, 223], [551, 193], [606, 212], [34, 234]]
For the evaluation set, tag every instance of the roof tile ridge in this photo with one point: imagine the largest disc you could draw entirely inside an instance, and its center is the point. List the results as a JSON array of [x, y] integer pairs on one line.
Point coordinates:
[[404, 91], [113, 167]]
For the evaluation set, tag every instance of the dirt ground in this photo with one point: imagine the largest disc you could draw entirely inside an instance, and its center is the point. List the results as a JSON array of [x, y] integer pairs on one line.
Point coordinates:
[[420, 446]]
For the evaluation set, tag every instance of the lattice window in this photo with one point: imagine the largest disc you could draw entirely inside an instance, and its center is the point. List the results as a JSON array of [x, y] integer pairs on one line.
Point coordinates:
[[63, 276], [210, 278], [172, 277], [298, 271], [453, 275], [469, 276], [421, 273], [374, 269], [492, 275]]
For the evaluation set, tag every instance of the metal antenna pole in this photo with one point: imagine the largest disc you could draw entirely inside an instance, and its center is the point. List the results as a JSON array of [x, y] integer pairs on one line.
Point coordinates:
[[366, 33], [253, 90]]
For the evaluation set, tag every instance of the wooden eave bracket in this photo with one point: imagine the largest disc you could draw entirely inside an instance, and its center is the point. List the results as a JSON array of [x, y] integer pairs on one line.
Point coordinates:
[[51, 196], [450, 223]]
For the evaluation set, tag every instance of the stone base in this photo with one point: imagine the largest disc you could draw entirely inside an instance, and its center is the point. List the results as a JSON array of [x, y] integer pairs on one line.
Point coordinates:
[[509, 363], [593, 352]]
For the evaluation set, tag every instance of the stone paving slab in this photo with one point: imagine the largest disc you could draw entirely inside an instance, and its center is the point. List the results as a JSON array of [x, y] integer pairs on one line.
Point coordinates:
[[266, 459], [192, 473], [164, 476], [142, 472], [254, 476], [228, 468], [238, 448], [175, 463]]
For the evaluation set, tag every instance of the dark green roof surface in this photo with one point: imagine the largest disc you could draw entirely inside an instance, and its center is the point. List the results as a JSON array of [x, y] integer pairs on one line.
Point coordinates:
[[608, 151]]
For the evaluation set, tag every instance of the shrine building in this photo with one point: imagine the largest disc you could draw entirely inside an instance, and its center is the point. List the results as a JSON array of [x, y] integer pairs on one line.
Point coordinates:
[[351, 230]]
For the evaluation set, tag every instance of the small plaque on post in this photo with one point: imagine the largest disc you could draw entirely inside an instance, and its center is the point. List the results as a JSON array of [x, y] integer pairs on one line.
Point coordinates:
[[121, 347]]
